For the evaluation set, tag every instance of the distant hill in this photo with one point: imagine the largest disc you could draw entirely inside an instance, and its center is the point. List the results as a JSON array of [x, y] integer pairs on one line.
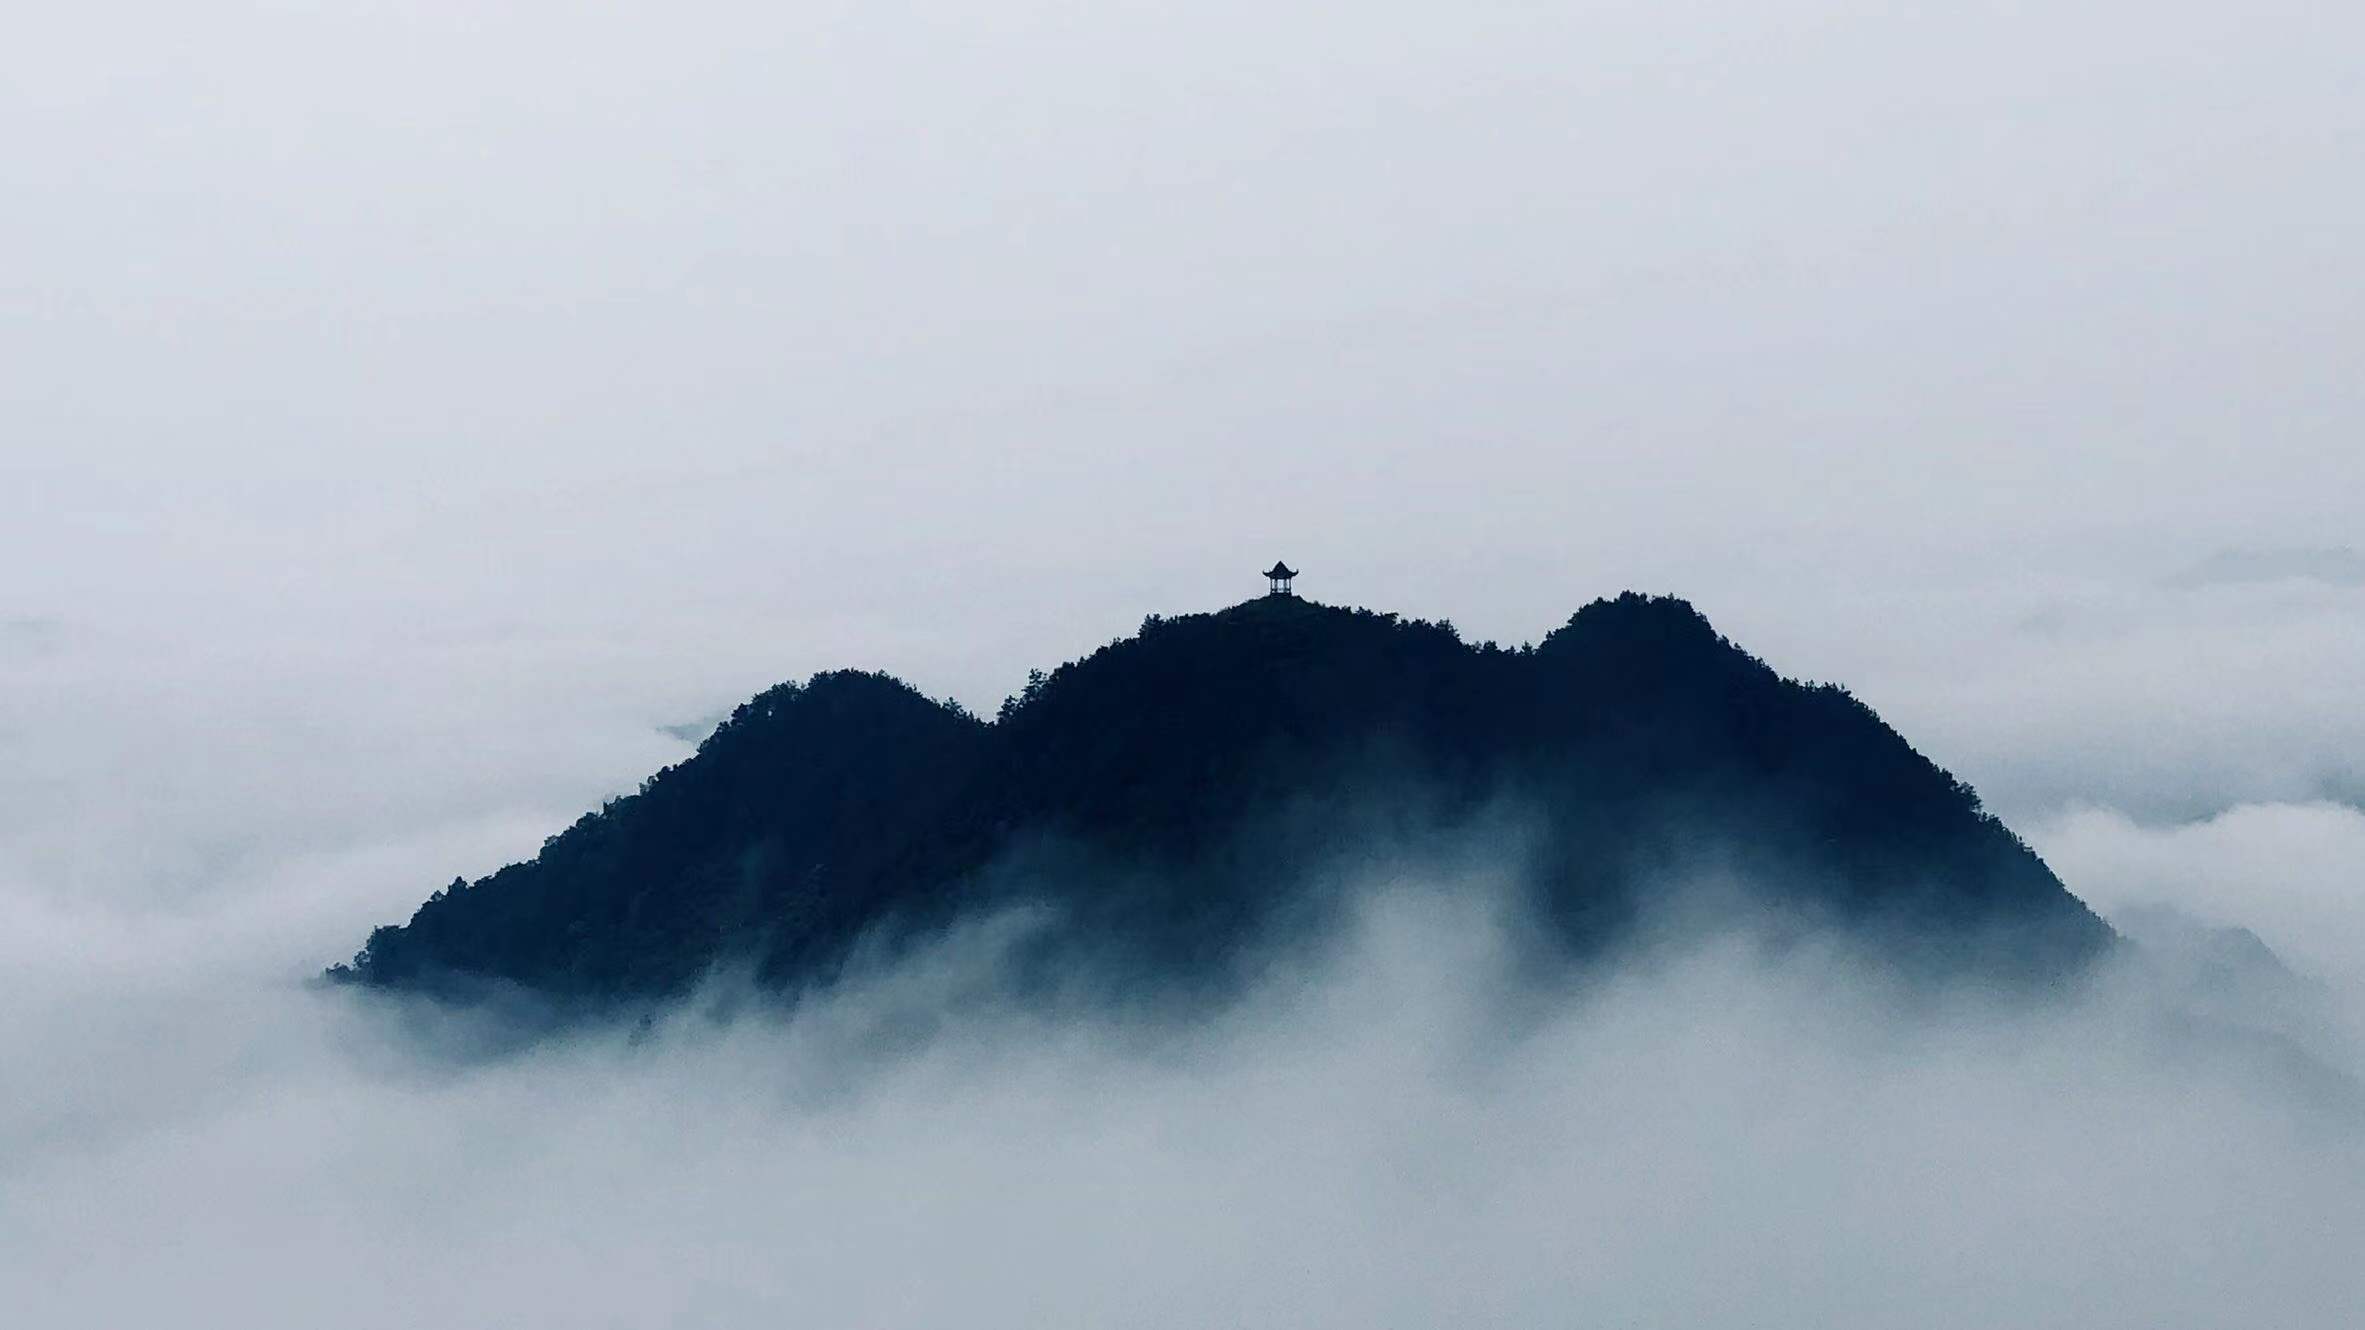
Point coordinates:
[[1219, 778]]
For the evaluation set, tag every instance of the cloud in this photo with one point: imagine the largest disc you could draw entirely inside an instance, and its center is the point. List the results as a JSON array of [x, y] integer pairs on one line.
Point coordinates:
[[1375, 1138], [2292, 873], [2049, 691], [2335, 566]]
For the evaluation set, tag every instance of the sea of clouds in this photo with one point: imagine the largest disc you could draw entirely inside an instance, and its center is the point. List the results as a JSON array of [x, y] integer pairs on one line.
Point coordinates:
[[1395, 1129]]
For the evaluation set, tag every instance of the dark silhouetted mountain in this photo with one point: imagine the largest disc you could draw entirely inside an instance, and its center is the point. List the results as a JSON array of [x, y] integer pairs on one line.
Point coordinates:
[[1224, 778]]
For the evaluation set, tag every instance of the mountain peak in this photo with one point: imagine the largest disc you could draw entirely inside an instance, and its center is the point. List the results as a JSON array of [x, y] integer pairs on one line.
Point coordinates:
[[1170, 796]]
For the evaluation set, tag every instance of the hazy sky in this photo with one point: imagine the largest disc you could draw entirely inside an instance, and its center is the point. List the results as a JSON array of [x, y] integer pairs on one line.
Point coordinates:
[[487, 375], [952, 339], [407, 410]]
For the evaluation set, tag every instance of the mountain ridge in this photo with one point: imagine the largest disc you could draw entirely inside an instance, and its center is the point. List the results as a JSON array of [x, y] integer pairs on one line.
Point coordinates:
[[1171, 794]]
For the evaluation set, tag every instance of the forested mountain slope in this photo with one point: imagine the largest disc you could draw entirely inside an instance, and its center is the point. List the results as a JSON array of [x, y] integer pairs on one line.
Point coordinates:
[[1183, 791]]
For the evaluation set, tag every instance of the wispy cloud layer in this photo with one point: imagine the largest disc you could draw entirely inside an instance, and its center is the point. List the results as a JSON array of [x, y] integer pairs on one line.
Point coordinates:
[[1709, 1139]]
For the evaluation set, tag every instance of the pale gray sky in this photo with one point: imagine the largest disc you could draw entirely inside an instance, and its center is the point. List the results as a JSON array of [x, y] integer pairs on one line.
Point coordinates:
[[952, 338]]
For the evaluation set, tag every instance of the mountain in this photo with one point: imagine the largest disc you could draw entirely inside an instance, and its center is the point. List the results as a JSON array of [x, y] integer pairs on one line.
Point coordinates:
[[1220, 779]]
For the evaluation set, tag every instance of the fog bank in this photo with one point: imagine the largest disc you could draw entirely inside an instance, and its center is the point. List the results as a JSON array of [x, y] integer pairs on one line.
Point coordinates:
[[1393, 1132]]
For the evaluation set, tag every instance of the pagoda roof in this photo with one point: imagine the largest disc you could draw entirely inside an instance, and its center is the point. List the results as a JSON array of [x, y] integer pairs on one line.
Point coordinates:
[[1281, 570]]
